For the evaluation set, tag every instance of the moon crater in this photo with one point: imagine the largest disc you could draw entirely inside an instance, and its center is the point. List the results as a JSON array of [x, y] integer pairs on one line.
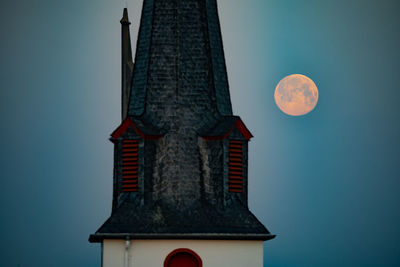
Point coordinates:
[[296, 95]]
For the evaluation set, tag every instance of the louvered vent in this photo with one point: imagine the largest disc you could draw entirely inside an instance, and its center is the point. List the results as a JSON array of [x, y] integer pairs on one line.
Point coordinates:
[[130, 154], [235, 166]]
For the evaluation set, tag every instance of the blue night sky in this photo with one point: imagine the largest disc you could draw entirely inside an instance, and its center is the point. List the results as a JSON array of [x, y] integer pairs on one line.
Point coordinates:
[[326, 183]]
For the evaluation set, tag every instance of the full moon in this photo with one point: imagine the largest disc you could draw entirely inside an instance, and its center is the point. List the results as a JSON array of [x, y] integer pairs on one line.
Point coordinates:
[[296, 95]]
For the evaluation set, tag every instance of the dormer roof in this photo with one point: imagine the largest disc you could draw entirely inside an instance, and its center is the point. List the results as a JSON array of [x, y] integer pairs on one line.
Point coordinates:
[[223, 128], [144, 130]]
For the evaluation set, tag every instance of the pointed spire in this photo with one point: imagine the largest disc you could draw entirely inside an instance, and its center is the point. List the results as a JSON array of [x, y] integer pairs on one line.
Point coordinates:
[[126, 63], [180, 50], [125, 18]]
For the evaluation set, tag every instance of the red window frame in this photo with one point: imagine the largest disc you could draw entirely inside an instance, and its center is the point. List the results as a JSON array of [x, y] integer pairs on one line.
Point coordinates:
[[183, 250]]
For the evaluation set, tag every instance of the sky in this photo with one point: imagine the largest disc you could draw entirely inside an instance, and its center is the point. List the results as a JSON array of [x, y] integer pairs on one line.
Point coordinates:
[[327, 184]]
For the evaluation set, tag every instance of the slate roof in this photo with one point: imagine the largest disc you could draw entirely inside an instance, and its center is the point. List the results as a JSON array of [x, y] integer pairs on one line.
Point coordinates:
[[175, 34], [201, 222], [220, 128], [145, 127], [141, 127], [224, 127]]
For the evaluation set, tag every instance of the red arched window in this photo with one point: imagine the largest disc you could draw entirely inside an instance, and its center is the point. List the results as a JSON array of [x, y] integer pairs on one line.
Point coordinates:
[[183, 258]]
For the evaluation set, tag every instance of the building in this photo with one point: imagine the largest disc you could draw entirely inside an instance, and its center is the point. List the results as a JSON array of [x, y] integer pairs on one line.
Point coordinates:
[[180, 158]]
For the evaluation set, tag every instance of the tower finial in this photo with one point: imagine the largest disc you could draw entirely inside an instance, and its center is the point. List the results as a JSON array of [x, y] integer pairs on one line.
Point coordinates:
[[125, 18]]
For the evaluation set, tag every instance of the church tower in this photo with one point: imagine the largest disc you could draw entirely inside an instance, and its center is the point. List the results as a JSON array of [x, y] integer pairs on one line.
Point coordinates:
[[180, 156]]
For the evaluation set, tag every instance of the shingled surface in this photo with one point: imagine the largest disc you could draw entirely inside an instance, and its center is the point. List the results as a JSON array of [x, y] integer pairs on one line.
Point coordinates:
[[180, 96], [201, 222], [179, 43]]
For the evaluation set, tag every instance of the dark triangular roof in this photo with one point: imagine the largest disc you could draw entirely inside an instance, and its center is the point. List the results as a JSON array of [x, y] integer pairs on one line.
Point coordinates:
[[179, 42], [143, 129]]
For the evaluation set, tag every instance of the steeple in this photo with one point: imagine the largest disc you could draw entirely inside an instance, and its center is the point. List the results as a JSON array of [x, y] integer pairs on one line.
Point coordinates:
[[179, 58], [126, 63], [180, 158]]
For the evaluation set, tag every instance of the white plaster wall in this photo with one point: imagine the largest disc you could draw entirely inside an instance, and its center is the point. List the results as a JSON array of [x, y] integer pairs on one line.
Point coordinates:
[[214, 253]]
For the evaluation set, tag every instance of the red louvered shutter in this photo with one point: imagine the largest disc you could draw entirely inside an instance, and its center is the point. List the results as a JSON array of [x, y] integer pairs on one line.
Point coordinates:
[[235, 166], [130, 155]]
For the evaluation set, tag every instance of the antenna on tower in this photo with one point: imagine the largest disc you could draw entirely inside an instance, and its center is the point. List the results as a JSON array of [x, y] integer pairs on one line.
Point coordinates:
[[126, 3]]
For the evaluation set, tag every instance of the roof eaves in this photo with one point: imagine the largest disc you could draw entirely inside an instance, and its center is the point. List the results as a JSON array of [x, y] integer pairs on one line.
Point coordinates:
[[97, 238]]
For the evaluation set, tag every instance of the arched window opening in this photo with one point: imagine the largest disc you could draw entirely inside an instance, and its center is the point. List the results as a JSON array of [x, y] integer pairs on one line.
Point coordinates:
[[183, 258]]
